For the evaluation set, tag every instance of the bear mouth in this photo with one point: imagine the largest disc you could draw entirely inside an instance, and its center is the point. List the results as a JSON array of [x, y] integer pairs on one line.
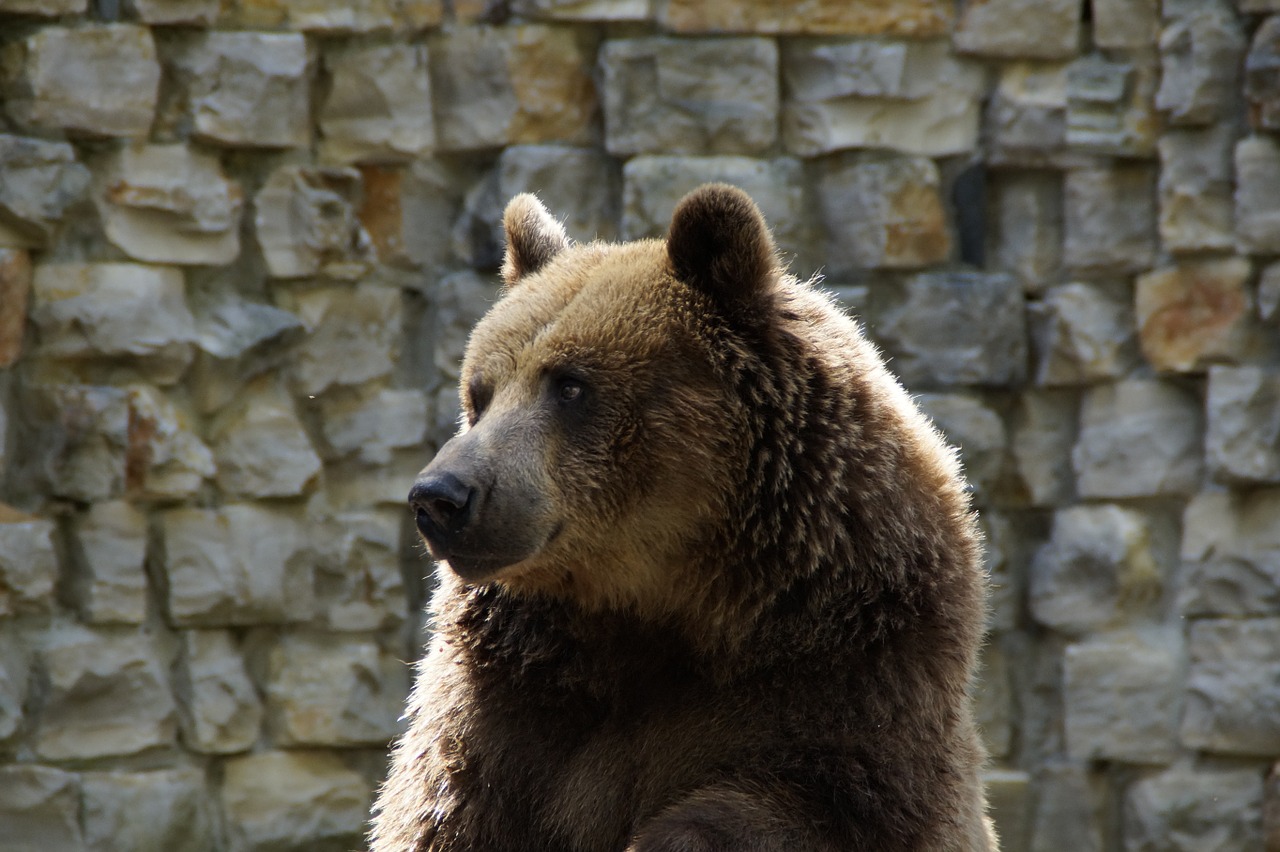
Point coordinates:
[[482, 565]]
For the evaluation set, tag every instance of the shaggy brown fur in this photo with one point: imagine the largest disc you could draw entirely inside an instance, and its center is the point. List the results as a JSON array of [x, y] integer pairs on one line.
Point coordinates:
[[710, 580]]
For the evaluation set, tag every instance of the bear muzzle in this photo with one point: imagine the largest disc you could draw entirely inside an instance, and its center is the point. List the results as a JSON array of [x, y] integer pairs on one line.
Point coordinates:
[[442, 506]]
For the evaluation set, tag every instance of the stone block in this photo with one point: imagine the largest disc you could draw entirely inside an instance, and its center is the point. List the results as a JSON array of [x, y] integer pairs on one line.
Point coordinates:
[[1042, 434], [219, 709], [167, 809], [241, 564], [87, 312], [39, 180], [288, 800], [1082, 334], [1026, 235], [408, 211], [681, 96], [28, 563], [1101, 567], [353, 336], [1199, 66], [1109, 216], [168, 204], [98, 79], [1196, 206], [307, 224], [1242, 441], [40, 809], [913, 97], [243, 89], [164, 459], [1262, 75], [1269, 292], [1111, 106], [334, 17], [1233, 687], [1185, 809], [372, 425], [108, 695], [1067, 816], [1271, 810], [909, 18], [1257, 207], [43, 8], [461, 300], [105, 580], [1026, 118], [238, 340], [1229, 543], [1195, 313], [15, 671], [1019, 29], [359, 582], [261, 447], [523, 84], [977, 431], [882, 211], [1009, 805], [584, 10], [378, 107], [1126, 24], [76, 438], [993, 701], [956, 328], [1121, 694], [195, 13], [1007, 538], [1138, 438]]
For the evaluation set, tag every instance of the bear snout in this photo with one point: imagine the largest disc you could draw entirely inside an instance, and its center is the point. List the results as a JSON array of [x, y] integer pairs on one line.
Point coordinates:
[[442, 507]]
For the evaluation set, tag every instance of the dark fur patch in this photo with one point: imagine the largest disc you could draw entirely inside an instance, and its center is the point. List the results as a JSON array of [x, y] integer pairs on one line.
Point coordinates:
[[719, 243]]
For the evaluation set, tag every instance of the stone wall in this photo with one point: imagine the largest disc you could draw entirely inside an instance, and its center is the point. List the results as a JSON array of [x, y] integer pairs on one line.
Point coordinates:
[[241, 243]]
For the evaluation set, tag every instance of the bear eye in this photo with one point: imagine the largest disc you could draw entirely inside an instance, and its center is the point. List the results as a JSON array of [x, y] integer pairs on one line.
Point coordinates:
[[479, 394], [569, 390]]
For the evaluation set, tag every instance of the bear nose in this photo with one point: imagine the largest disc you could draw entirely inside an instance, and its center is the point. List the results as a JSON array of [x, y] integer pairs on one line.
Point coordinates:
[[441, 505]]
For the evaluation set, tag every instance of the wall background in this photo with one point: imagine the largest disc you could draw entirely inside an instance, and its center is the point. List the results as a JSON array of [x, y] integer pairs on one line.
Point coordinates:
[[241, 244]]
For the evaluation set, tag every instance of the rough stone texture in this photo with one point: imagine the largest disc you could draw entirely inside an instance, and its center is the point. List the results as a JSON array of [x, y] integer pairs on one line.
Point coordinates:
[[994, 701], [77, 438], [1195, 313], [244, 88], [201, 13], [912, 97], [107, 695], [464, 298], [1020, 29], [1184, 810], [166, 809], [406, 212], [882, 211], [1269, 293], [353, 336], [372, 426], [280, 800], [262, 449], [238, 340], [169, 204], [583, 10], [1042, 434], [1242, 440], [1257, 208], [1111, 106], [1125, 24], [241, 564], [15, 671], [495, 86], [1262, 74], [43, 8], [359, 584], [1008, 803], [1233, 688], [1138, 438], [39, 809], [1122, 694], [1109, 219], [1199, 61], [1082, 334], [913, 18], [335, 16], [28, 563], [39, 180], [107, 547], [1229, 546], [219, 710], [986, 340], [1026, 236], [977, 430], [100, 79], [307, 224], [690, 97], [1026, 119], [1196, 208], [1066, 811], [378, 107]]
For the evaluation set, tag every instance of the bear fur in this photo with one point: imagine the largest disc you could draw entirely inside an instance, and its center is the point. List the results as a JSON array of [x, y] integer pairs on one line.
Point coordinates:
[[708, 580]]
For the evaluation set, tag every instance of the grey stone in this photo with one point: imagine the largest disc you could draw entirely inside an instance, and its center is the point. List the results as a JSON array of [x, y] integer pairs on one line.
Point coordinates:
[[1026, 119], [1006, 545], [43, 8], [307, 224], [288, 800], [39, 180], [993, 701], [241, 564], [338, 17], [359, 583], [584, 10], [1081, 335], [949, 328], [168, 204], [882, 211], [219, 709], [39, 809], [821, 70], [261, 447], [107, 695], [408, 212], [1194, 810], [106, 580], [1199, 63], [1042, 434], [1026, 231], [1233, 688], [1067, 814], [1257, 207], [1138, 438], [1019, 29], [1229, 546], [76, 439], [690, 96], [28, 563], [1126, 24], [372, 425], [1196, 206], [164, 459], [1109, 216], [1271, 809], [1195, 313], [168, 809], [15, 670], [1242, 441], [462, 299], [244, 88], [100, 79], [200, 13], [378, 107], [1269, 292], [354, 336], [238, 340], [91, 311], [1121, 694], [1262, 74], [1009, 805], [1111, 106], [976, 430]]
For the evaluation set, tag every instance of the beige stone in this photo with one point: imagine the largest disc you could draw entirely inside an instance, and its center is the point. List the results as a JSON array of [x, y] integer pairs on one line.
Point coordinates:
[[359, 580], [334, 16], [1126, 24], [164, 458], [261, 447], [1197, 210], [15, 292], [583, 10], [378, 107], [43, 8], [168, 809], [353, 336], [1194, 313], [28, 563], [307, 224], [106, 578], [219, 709], [1111, 106], [910, 18], [40, 809], [39, 181], [200, 13], [1020, 29]]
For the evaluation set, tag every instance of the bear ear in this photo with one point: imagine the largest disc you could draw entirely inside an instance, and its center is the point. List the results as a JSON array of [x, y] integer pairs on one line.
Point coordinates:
[[719, 243], [533, 237]]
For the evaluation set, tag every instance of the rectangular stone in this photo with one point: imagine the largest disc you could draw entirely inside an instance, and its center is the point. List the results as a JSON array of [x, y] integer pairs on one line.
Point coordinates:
[[1195, 313], [39, 180], [28, 563], [354, 336], [1026, 235], [1233, 689], [1197, 210], [1111, 106], [306, 223], [1019, 29], [1262, 75], [40, 809], [372, 425], [1126, 24], [584, 10], [218, 706], [1082, 334], [293, 800], [199, 13], [1229, 543], [1026, 117], [1242, 443], [1257, 206], [360, 585], [107, 546], [1200, 66], [1109, 219], [907, 18], [1042, 433], [1194, 809], [167, 809], [378, 107]]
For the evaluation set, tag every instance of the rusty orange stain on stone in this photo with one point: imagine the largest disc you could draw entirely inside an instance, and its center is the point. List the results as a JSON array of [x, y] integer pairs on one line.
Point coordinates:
[[382, 212]]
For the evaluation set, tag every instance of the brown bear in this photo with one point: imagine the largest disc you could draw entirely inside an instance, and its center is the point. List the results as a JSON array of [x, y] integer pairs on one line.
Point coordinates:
[[708, 580]]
